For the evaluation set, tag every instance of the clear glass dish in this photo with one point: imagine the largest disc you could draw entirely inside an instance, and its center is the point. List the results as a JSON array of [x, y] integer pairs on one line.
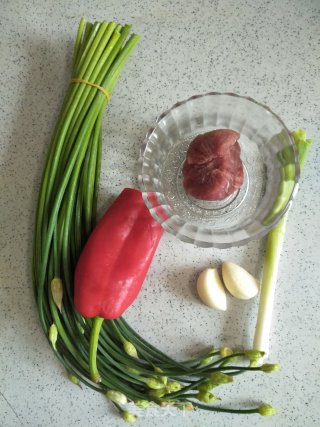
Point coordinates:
[[271, 171]]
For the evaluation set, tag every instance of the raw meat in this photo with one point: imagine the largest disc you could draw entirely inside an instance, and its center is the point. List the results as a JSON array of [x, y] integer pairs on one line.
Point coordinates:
[[213, 168]]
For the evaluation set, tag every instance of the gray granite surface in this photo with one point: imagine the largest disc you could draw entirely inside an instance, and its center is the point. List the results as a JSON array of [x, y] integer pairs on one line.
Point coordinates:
[[266, 49]]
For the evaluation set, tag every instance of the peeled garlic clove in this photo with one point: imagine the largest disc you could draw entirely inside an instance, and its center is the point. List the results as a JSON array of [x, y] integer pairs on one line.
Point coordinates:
[[238, 281], [211, 290]]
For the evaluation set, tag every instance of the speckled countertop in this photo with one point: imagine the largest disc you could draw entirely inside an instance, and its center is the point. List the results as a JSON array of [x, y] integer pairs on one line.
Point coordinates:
[[266, 49]]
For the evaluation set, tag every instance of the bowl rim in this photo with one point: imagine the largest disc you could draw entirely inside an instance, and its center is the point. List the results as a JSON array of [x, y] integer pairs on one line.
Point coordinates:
[[266, 228]]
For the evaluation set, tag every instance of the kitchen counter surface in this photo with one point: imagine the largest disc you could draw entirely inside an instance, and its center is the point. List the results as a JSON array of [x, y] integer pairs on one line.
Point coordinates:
[[268, 50]]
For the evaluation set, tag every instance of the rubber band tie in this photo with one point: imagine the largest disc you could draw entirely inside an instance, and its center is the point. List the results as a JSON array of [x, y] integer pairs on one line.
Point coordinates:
[[86, 82]]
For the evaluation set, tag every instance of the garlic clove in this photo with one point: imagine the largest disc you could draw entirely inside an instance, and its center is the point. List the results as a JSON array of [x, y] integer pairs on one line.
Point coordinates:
[[210, 289], [239, 282]]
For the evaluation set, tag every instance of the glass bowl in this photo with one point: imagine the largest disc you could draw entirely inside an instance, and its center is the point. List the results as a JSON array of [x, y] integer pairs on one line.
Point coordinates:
[[270, 164]]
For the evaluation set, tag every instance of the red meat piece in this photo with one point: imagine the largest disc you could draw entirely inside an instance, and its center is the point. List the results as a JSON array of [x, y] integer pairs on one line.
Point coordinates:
[[213, 168], [210, 145]]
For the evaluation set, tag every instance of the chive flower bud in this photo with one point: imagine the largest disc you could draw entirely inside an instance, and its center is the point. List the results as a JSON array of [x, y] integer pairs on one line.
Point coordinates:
[[266, 410], [117, 397], [143, 404], [206, 397], [206, 360], [81, 330], [74, 379], [173, 386], [130, 349], [57, 292], [185, 406], [133, 371], [220, 378], [254, 355], [206, 386], [270, 367], [225, 351], [154, 383], [53, 335], [163, 378], [129, 417]]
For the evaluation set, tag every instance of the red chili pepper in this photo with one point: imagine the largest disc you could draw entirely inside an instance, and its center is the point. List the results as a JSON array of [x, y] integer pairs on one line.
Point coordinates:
[[116, 258]]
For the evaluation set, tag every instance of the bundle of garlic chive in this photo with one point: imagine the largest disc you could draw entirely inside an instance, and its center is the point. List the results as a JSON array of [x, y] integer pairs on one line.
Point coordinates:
[[131, 369]]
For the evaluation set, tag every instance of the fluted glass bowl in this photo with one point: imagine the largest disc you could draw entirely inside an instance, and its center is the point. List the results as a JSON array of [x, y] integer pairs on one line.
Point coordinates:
[[271, 171]]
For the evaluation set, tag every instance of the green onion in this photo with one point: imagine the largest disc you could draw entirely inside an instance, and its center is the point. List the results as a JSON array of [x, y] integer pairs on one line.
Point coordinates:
[[273, 249]]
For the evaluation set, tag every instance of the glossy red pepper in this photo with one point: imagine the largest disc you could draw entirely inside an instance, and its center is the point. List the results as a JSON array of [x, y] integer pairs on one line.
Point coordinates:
[[116, 258]]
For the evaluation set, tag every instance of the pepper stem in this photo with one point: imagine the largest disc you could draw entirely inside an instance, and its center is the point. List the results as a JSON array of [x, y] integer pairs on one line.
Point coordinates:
[[94, 339]]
